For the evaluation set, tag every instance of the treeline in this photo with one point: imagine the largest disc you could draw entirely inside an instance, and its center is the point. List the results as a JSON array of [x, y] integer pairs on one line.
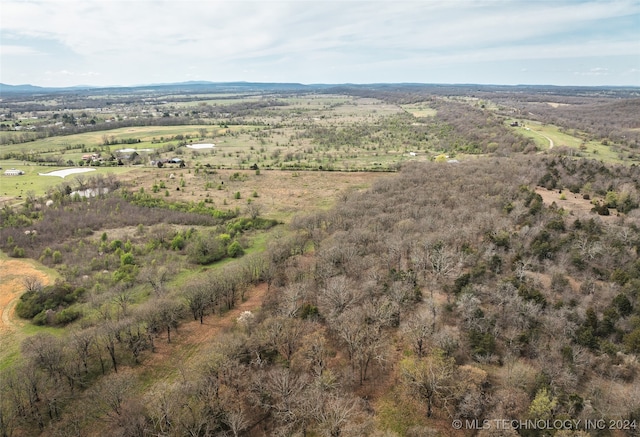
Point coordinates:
[[468, 129], [42, 132], [200, 116], [242, 109]]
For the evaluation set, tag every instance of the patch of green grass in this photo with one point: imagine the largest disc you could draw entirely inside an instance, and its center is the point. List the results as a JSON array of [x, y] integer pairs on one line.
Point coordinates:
[[584, 147], [30, 329], [20, 186], [35, 264], [12, 340], [96, 139], [260, 239], [9, 357], [420, 110], [398, 414]]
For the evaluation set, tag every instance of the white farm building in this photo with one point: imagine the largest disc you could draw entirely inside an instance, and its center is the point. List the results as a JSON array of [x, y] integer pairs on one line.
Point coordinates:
[[13, 172]]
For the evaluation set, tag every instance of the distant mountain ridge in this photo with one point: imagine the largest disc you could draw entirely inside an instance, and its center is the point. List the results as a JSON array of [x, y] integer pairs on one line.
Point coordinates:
[[28, 88], [187, 86], [207, 86]]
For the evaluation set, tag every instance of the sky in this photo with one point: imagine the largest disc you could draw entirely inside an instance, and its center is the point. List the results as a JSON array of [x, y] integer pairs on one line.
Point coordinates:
[[134, 42]]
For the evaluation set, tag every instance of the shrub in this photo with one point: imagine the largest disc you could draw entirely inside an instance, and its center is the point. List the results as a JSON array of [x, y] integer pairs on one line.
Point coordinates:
[[126, 259], [309, 312], [600, 209], [66, 316], [482, 343], [206, 249], [632, 341], [178, 242], [622, 305], [34, 304], [40, 319], [18, 252], [235, 250], [126, 273], [461, 282], [528, 292]]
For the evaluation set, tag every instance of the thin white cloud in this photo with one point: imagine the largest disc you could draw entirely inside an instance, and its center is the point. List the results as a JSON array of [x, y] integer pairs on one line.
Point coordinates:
[[71, 73], [596, 71], [17, 50]]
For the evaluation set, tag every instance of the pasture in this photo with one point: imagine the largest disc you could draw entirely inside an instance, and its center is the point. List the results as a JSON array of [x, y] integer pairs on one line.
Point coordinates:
[[583, 145], [153, 137], [277, 194], [419, 110], [16, 188]]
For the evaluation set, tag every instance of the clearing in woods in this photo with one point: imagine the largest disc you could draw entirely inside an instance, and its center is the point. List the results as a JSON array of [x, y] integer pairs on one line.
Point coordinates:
[[575, 204], [170, 358]]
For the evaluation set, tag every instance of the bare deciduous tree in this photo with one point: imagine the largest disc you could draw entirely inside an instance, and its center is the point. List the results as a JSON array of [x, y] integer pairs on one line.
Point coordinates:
[[432, 379], [419, 328], [338, 295], [110, 393], [45, 351], [253, 210], [199, 297], [155, 276], [335, 414], [32, 283]]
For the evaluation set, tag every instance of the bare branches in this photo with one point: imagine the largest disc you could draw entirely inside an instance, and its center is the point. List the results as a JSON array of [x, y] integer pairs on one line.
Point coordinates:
[[32, 283]]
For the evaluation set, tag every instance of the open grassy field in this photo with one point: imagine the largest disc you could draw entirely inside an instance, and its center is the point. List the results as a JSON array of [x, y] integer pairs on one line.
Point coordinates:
[[548, 136], [14, 188], [420, 110], [279, 194], [146, 134]]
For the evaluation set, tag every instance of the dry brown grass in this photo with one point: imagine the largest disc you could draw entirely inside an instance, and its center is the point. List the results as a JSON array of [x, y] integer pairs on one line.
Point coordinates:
[[12, 273], [573, 203], [280, 194]]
